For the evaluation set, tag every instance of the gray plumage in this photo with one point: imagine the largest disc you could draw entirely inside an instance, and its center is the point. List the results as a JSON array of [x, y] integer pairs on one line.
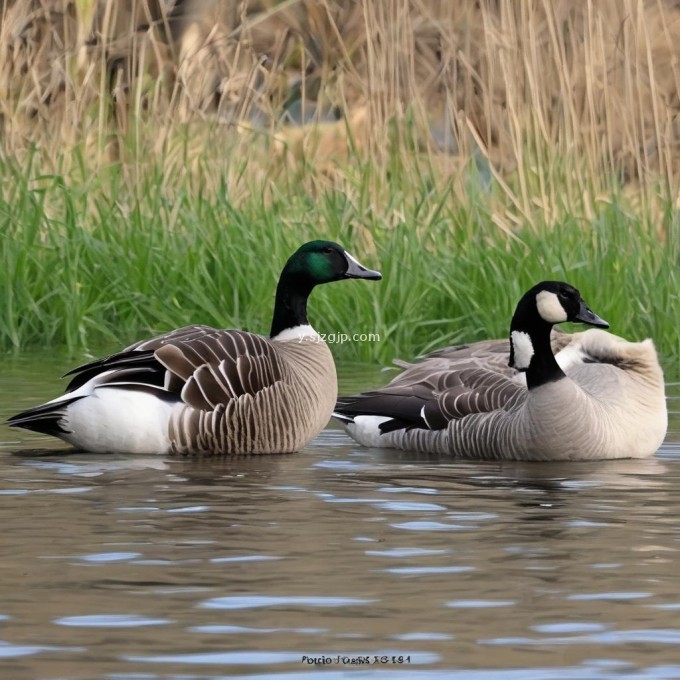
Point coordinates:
[[467, 402], [487, 354], [614, 409]]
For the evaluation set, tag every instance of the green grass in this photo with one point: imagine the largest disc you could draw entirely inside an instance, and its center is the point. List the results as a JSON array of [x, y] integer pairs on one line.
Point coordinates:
[[104, 260]]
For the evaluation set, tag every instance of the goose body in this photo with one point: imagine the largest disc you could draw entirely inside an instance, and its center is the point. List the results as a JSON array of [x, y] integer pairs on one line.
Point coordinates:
[[600, 397], [200, 390]]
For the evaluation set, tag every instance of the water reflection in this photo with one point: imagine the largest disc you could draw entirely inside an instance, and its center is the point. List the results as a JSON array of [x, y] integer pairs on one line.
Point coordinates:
[[125, 567]]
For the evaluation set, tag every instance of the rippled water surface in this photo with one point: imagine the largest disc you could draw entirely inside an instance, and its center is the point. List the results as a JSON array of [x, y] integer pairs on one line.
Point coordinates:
[[374, 564]]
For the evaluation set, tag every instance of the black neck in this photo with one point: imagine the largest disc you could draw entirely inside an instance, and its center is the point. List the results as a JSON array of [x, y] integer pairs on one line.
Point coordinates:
[[543, 368], [290, 308]]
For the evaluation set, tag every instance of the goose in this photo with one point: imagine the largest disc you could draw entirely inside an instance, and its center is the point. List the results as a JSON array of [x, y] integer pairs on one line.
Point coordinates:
[[199, 390], [610, 403]]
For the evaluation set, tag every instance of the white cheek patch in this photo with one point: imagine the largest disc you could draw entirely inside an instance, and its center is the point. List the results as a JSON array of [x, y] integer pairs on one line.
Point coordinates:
[[550, 308], [523, 349]]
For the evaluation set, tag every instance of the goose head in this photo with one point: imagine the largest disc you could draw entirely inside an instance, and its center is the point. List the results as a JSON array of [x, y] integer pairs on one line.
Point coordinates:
[[313, 263], [319, 262], [544, 305]]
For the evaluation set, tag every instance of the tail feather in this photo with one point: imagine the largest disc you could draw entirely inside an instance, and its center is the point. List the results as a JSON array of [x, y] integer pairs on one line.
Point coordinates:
[[124, 363], [342, 418], [45, 418]]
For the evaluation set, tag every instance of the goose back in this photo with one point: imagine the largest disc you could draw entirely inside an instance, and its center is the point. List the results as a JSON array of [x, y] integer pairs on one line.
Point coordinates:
[[490, 355]]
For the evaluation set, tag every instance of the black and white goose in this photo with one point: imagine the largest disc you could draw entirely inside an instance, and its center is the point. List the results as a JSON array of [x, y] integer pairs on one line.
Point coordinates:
[[610, 403], [199, 390]]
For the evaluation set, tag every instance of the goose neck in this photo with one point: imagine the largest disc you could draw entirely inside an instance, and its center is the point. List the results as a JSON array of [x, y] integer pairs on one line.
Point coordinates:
[[290, 307], [532, 352]]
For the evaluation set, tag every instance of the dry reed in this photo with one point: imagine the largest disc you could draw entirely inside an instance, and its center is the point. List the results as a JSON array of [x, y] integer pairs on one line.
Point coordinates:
[[557, 102]]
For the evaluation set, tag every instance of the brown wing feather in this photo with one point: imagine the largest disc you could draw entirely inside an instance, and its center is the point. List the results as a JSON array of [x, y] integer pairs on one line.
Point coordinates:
[[446, 385], [212, 390], [175, 360], [478, 391], [218, 367], [193, 395]]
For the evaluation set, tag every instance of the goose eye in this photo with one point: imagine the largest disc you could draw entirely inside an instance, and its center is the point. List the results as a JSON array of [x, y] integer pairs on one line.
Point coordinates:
[[328, 250], [563, 295]]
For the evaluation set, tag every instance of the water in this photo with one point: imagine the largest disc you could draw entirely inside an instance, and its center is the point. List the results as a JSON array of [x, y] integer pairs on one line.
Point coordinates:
[[371, 564]]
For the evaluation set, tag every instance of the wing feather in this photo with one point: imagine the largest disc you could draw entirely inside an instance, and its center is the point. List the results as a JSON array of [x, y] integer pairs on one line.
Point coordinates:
[[222, 366], [199, 365], [187, 333], [433, 393], [174, 359], [479, 391]]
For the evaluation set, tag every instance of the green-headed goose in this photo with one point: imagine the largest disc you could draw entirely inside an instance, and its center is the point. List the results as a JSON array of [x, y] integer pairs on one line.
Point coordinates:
[[610, 403], [199, 390]]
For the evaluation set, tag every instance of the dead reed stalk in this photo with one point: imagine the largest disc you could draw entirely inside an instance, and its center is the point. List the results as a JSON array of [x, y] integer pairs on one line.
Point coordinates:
[[557, 100]]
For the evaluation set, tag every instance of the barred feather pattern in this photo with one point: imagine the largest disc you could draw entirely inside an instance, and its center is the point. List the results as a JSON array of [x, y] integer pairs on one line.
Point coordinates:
[[538, 427], [476, 391], [246, 394]]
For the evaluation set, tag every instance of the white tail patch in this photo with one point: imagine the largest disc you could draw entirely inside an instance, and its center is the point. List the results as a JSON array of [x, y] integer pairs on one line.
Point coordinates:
[[550, 308], [523, 349], [366, 430]]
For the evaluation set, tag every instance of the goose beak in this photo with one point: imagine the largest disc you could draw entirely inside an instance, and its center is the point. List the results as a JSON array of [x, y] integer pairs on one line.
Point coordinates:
[[356, 270], [586, 315]]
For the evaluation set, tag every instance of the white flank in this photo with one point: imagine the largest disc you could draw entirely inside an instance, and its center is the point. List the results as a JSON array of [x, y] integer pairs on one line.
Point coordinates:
[[523, 349], [366, 430], [113, 420], [550, 308]]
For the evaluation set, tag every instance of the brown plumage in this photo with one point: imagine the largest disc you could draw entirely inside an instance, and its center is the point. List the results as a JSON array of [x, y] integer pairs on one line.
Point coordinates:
[[237, 392], [199, 390]]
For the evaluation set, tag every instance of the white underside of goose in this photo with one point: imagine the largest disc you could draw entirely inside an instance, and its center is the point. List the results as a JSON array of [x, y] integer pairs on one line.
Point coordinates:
[[109, 419]]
